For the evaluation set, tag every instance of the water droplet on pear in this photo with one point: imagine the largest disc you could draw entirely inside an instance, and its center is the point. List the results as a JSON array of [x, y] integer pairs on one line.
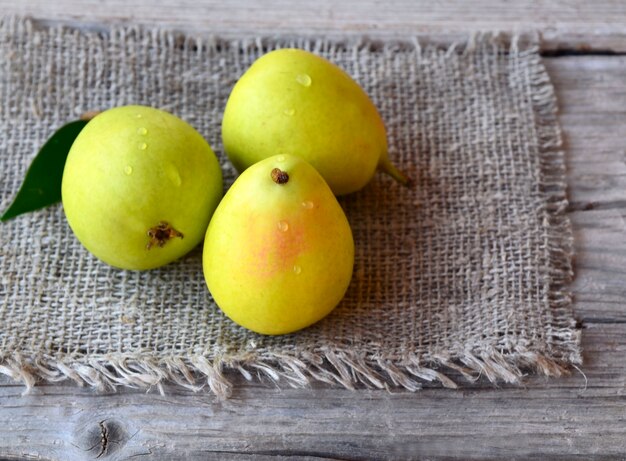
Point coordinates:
[[304, 80]]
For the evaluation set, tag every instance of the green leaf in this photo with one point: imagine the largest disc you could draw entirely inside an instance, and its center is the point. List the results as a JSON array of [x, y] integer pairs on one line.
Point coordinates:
[[42, 184]]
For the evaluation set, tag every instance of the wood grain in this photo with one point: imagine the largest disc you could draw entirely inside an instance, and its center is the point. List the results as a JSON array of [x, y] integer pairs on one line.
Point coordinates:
[[582, 416], [579, 419], [565, 24], [592, 98]]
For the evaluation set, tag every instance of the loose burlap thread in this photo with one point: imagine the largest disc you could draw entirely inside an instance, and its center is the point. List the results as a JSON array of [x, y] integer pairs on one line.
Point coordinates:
[[463, 275]]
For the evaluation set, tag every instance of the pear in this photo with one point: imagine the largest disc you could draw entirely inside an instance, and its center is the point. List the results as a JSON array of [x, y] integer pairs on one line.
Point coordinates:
[[278, 253], [139, 187], [294, 102]]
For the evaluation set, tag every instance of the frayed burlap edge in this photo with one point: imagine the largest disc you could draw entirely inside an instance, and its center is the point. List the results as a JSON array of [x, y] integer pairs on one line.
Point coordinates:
[[348, 368]]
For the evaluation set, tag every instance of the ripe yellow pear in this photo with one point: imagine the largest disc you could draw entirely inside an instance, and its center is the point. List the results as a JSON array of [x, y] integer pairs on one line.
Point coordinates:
[[294, 102], [278, 253], [139, 187]]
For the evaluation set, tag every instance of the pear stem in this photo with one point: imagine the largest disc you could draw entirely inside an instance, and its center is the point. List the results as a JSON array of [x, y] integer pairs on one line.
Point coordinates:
[[279, 176], [86, 116], [387, 167]]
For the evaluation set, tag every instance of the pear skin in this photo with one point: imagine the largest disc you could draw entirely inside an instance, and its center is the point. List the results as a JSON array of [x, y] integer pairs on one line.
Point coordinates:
[[278, 253], [294, 102], [139, 187]]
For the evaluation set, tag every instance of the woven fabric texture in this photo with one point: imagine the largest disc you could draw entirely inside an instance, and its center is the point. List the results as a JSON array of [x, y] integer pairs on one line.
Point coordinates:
[[462, 275]]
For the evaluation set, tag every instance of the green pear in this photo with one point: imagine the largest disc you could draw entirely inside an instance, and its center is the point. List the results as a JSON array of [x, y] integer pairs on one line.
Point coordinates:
[[139, 187], [278, 253], [294, 102]]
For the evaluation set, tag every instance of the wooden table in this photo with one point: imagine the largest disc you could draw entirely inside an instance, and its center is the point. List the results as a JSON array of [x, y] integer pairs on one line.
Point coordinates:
[[582, 416]]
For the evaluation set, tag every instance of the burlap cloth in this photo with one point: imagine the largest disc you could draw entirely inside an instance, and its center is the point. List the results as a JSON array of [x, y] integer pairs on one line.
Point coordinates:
[[465, 274]]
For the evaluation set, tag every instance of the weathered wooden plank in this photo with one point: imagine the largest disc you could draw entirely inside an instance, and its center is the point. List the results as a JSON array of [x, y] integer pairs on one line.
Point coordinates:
[[592, 99], [600, 288], [583, 418], [568, 24]]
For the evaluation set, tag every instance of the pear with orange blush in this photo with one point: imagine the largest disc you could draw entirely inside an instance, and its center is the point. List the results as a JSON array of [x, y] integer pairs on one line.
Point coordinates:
[[278, 252]]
